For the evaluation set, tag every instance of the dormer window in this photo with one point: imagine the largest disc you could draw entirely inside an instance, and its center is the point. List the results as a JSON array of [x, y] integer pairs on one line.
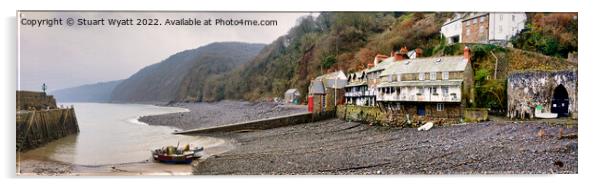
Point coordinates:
[[390, 78], [433, 76], [421, 76], [445, 75]]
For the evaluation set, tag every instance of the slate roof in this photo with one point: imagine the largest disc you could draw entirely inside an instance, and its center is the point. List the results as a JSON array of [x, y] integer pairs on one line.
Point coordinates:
[[292, 91], [421, 83], [382, 65], [426, 65], [357, 83], [316, 87]]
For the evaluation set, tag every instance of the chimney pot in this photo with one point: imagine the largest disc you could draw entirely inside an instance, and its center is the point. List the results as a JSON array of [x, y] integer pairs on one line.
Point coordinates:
[[398, 56], [403, 50], [418, 52]]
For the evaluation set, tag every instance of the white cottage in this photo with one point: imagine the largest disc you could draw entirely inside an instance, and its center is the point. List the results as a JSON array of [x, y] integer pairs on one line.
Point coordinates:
[[484, 27], [435, 86]]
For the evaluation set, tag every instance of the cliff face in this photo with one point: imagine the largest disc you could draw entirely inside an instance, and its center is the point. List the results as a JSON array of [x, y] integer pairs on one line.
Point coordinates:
[[183, 76], [99, 92]]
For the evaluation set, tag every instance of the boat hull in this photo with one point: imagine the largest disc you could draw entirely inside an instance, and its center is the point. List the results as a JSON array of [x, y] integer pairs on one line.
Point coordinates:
[[175, 159]]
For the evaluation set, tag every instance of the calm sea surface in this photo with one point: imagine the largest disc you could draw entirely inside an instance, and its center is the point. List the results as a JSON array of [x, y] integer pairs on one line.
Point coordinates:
[[112, 134]]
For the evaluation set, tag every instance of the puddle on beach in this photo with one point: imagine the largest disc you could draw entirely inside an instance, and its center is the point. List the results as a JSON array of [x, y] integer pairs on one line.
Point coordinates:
[[110, 134]]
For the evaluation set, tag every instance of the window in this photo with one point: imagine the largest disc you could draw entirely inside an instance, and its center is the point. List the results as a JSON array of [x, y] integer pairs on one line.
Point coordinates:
[[445, 91], [433, 76], [474, 21], [398, 77], [420, 90], [468, 32], [434, 91], [323, 103], [390, 78], [501, 17], [481, 29], [439, 106], [445, 75], [421, 76], [482, 19], [512, 17], [500, 29]]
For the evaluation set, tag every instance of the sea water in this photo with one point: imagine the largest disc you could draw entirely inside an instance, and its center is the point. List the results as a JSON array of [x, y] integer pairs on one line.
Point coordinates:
[[112, 134]]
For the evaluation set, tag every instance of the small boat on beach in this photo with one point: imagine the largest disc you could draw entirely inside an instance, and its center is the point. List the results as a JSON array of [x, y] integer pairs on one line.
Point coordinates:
[[175, 155]]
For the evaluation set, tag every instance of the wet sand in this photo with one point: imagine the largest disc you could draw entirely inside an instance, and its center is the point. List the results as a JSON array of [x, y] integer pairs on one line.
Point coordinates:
[[117, 144], [339, 147], [33, 165]]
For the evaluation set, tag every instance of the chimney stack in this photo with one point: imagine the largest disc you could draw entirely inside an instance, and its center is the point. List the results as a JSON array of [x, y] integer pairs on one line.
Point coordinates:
[[379, 58], [418, 52], [467, 53], [403, 50], [399, 56]]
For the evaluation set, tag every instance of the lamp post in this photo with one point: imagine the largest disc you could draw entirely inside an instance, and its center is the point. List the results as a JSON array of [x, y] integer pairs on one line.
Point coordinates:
[[44, 87]]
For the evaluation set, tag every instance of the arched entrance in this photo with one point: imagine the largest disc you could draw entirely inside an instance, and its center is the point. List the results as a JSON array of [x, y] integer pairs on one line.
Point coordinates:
[[560, 101]]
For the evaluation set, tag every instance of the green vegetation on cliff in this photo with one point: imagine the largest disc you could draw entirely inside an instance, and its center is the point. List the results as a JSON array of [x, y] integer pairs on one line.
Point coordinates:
[[552, 34], [347, 41], [331, 41], [185, 76]]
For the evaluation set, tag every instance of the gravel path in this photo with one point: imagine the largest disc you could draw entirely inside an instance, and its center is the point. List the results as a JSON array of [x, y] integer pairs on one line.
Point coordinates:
[[338, 147], [220, 113]]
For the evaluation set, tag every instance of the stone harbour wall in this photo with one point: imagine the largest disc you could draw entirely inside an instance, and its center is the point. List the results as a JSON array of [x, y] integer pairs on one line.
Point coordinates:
[[28, 100], [36, 128], [526, 90]]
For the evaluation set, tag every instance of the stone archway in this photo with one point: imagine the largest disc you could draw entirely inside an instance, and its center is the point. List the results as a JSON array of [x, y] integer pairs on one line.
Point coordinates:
[[560, 101]]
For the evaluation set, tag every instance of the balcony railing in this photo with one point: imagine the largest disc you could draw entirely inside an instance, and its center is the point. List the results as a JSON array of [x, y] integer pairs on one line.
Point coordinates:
[[414, 97]]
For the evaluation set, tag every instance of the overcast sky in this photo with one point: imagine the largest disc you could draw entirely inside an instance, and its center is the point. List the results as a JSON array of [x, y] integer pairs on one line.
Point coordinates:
[[68, 56]]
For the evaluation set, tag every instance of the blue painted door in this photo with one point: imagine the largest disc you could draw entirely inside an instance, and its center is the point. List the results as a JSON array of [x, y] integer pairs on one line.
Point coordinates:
[[421, 111]]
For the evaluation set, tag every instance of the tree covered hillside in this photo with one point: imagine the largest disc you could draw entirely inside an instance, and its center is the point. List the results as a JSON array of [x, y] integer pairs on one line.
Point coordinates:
[[184, 76], [331, 41]]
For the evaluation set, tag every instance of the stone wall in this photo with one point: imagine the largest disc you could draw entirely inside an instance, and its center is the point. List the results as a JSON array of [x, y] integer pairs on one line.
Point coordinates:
[[475, 114], [36, 128], [526, 90], [28, 100], [269, 123], [389, 116]]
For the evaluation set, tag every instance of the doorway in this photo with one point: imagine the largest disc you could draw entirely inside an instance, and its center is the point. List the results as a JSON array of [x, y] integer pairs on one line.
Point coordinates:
[[560, 101], [421, 110]]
